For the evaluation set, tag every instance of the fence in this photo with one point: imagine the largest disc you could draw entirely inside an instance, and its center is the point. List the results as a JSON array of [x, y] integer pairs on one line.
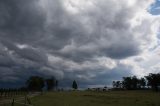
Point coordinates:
[[26, 102], [21, 101], [7, 93]]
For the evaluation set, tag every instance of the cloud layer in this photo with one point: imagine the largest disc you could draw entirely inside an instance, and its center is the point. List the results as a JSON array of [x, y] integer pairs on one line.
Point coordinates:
[[94, 42]]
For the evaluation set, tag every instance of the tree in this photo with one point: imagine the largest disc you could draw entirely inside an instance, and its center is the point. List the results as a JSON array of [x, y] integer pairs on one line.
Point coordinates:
[[127, 83], [131, 83], [51, 83], [142, 82], [153, 81], [135, 82], [74, 85], [35, 83], [114, 84], [56, 84], [117, 84]]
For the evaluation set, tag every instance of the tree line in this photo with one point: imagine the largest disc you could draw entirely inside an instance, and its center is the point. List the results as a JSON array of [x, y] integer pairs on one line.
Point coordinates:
[[36, 83], [133, 83]]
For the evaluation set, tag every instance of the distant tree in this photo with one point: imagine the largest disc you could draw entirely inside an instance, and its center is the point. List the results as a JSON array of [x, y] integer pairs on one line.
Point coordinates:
[[127, 83], [132, 83], [142, 82], [135, 82], [153, 81], [51, 83], [56, 84], [74, 85], [114, 84], [35, 83], [118, 84]]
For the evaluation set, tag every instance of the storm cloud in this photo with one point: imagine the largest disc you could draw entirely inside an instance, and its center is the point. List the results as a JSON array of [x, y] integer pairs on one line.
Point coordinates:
[[93, 41]]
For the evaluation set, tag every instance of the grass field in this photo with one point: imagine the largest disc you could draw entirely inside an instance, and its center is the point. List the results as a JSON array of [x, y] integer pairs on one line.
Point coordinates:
[[110, 98]]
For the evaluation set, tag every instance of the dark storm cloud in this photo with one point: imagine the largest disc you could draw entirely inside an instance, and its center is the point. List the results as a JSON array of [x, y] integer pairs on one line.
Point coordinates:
[[25, 22], [21, 21], [91, 78], [45, 38]]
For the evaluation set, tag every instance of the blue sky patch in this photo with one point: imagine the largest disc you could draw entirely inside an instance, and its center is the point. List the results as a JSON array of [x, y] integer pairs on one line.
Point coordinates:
[[155, 8]]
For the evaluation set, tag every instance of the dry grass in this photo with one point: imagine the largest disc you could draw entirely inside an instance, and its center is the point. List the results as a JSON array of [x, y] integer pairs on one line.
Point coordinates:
[[111, 98]]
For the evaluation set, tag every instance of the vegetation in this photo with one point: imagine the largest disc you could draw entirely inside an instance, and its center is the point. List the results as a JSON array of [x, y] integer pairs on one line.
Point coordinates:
[[74, 85], [51, 83], [153, 81], [134, 83], [131, 91], [35, 83], [110, 98]]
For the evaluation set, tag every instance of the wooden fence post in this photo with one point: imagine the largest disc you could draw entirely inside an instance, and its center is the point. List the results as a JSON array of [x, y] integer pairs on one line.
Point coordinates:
[[28, 100], [25, 100], [13, 102]]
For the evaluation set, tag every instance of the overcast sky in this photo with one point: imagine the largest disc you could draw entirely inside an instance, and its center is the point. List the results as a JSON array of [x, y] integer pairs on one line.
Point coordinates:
[[91, 41]]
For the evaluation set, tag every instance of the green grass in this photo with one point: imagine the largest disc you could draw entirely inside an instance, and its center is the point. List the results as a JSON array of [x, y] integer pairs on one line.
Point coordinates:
[[111, 98]]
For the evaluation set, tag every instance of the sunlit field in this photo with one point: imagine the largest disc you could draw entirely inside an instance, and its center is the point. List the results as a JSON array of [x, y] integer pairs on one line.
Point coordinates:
[[88, 98]]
